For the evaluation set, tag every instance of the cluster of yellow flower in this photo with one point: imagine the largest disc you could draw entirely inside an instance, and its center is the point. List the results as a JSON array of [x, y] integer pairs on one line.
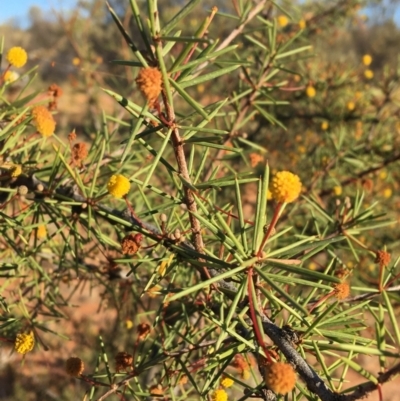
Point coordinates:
[[367, 60], [118, 186], [285, 187], [24, 342], [43, 120], [17, 57]]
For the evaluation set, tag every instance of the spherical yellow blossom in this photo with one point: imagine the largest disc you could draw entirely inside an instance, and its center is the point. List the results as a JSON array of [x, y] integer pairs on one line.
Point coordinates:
[[387, 193], [76, 61], [351, 106], [310, 91], [10, 77], [369, 74], [367, 59], [41, 231], [227, 382], [337, 190], [324, 125], [74, 366], [128, 324], [302, 24], [283, 21], [16, 171], [24, 342], [286, 187], [17, 57], [219, 395], [280, 377], [149, 82], [118, 185], [313, 266], [43, 120]]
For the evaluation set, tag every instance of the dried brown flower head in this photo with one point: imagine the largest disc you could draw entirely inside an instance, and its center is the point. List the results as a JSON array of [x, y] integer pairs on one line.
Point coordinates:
[[149, 82], [74, 366], [241, 364], [156, 390], [143, 330], [123, 360], [130, 244], [383, 258], [255, 158], [79, 152], [341, 291], [55, 90], [72, 136]]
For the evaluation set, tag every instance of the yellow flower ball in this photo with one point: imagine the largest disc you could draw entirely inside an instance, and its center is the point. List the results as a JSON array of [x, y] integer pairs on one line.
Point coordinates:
[[286, 187], [369, 74], [387, 193], [282, 21], [324, 125], [43, 120], [367, 59], [227, 382], [351, 106], [24, 342], [313, 266], [310, 91], [41, 231], [16, 170], [118, 185], [219, 395], [17, 57], [280, 377], [302, 24], [337, 190], [128, 324], [76, 61]]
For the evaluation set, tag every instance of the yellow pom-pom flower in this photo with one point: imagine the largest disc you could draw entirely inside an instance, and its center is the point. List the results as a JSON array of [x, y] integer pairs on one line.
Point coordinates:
[[337, 189], [43, 120], [351, 106], [387, 192], [367, 59], [41, 231], [17, 57], [74, 366], [302, 24], [286, 187], [219, 395], [227, 382], [118, 185], [282, 21], [24, 342], [280, 377], [16, 171], [369, 74], [310, 91], [324, 125]]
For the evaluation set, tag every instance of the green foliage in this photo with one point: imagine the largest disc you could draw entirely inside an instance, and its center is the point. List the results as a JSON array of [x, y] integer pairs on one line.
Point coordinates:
[[216, 278]]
